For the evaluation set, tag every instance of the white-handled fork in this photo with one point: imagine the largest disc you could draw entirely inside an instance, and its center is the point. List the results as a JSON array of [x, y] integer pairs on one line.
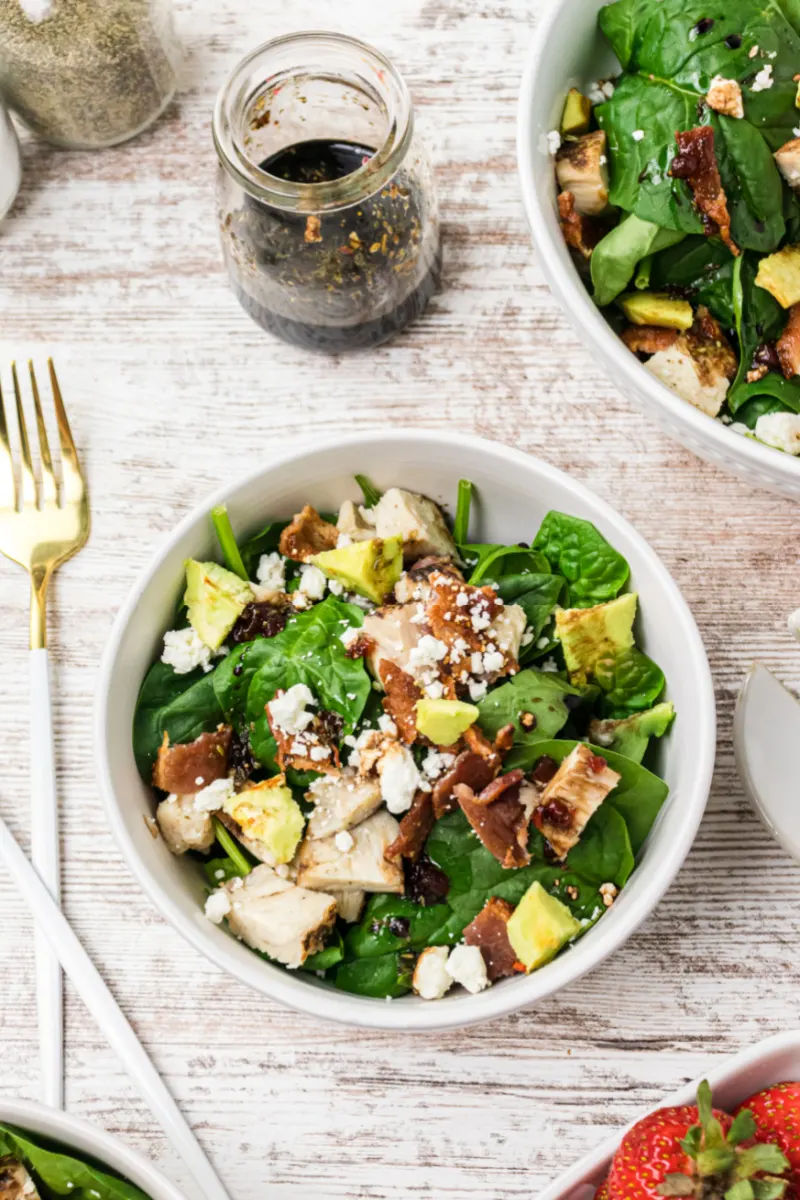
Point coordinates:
[[42, 523]]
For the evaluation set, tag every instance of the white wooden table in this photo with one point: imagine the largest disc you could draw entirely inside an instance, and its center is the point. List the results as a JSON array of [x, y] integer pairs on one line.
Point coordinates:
[[110, 261]]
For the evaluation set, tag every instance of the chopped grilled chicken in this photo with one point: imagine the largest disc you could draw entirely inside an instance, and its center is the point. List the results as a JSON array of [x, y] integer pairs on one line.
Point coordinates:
[[473, 620], [788, 162], [431, 980], [696, 162], [341, 800], [392, 634], [573, 795], [581, 168], [182, 827], [725, 96], [414, 584], [699, 366], [350, 905], [788, 344], [258, 850], [307, 535], [278, 918], [507, 629], [321, 864], [648, 339], [580, 232], [417, 520], [189, 767], [355, 522], [15, 1182]]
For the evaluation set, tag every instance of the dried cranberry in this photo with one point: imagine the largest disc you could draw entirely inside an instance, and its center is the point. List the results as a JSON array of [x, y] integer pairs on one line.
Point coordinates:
[[557, 814], [260, 619], [704, 25], [544, 770], [734, 41], [399, 926], [426, 884], [597, 764], [766, 355]]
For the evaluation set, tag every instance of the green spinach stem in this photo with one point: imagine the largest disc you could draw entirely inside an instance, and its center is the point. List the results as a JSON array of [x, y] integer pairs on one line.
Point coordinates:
[[371, 494], [231, 848], [463, 506], [227, 540]]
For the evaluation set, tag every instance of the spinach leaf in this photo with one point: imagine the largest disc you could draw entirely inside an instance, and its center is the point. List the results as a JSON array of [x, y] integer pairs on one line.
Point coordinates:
[[638, 796], [630, 680], [785, 393], [374, 936], [604, 854], [703, 265], [369, 492], [219, 871], [389, 975], [593, 569], [264, 542], [57, 1173], [758, 406], [309, 650], [543, 693], [496, 562], [184, 706], [759, 318], [615, 256], [752, 184], [326, 958]]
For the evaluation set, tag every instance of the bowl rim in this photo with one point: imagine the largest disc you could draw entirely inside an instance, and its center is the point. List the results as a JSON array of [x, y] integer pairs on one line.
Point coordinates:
[[286, 987], [78, 1134], [782, 468]]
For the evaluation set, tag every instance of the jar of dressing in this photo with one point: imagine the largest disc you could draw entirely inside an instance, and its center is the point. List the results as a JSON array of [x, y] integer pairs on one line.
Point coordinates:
[[326, 200], [10, 163]]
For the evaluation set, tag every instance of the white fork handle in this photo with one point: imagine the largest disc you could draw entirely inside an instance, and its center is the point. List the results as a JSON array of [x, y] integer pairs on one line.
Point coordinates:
[[47, 861]]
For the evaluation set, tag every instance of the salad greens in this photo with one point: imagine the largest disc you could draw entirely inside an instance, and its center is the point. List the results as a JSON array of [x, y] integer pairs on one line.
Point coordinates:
[[687, 202], [296, 718], [57, 1173]]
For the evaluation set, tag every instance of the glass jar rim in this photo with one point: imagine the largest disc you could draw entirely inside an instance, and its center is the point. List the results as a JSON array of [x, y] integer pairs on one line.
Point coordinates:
[[235, 99]]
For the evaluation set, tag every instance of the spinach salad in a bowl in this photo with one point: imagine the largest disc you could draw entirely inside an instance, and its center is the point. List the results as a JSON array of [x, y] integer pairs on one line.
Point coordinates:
[[405, 761], [34, 1168], [677, 194]]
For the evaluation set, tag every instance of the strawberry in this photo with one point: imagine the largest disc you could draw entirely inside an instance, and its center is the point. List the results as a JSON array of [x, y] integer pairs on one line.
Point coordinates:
[[777, 1116], [602, 1191], [696, 1152]]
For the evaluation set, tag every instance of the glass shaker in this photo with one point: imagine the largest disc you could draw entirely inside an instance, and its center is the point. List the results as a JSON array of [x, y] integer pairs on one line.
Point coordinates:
[[326, 200], [87, 73]]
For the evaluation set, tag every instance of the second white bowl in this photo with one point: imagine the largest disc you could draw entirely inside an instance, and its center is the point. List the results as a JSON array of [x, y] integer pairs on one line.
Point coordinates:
[[514, 491]]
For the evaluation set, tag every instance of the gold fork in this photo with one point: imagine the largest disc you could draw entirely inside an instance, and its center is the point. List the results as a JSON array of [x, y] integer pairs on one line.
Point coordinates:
[[41, 525]]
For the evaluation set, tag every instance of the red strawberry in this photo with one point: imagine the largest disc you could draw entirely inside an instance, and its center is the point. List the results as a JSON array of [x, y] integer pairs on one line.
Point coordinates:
[[777, 1115], [697, 1152], [602, 1191]]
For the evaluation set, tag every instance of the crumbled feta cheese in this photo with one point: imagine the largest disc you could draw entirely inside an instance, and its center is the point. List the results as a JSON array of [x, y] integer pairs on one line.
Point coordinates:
[[763, 79], [431, 980], [289, 711], [467, 967], [794, 623], [527, 637], [318, 753], [335, 587], [312, 582], [218, 905], [493, 660], [399, 778], [462, 600], [213, 797], [436, 762], [739, 427], [477, 689], [637, 135], [300, 600], [476, 663], [343, 540], [435, 690], [480, 620], [781, 430], [349, 636], [752, 52], [602, 89], [387, 725], [549, 664], [428, 652], [184, 651], [553, 141], [271, 572], [344, 841]]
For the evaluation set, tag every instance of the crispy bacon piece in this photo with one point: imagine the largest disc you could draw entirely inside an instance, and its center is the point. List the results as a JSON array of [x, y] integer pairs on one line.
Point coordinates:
[[788, 344], [648, 339], [297, 749], [489, 932], [504, 739], [696, 162], [580, 232], [307, 534], [414, 829], [191, 766], [479, 744], [502, 826], [494, 790], [400, 701], [470, 769]]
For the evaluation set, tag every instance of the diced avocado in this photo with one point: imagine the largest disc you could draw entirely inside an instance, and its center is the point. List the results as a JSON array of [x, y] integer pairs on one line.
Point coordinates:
[[631, 735], [577, 112], [588, 634], [539, 926], [779, 274], [215, 598], [444, 721], [370, 568], [654, 308], [268, 813]]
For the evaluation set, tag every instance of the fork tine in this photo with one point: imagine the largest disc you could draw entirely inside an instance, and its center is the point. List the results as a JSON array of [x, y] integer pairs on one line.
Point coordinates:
[[8, 482], [49, 490], [28, 477], [70, 467]]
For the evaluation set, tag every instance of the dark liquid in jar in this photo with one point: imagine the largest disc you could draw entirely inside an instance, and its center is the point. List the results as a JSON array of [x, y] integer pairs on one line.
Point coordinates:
[[348, 270]]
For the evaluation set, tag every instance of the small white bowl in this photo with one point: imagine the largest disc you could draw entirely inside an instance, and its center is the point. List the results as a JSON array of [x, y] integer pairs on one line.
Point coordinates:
[[775, 1060], [567, 51], [514, 491], [80, 1138]]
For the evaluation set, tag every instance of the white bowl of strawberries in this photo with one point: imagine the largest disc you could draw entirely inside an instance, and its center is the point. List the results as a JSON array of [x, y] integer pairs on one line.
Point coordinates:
[[746, 1148]]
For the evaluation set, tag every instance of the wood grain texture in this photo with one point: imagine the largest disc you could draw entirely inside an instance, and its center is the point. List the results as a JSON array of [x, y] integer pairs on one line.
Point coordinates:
[[110, 262]]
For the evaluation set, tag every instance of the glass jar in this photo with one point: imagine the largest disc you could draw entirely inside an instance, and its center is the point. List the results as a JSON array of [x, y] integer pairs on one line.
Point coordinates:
[[326, 201], [87, 73]]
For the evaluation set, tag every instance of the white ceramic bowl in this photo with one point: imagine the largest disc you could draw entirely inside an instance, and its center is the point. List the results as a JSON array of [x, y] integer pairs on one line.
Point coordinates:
[[514, 492], [775, 1060], [568, 51], [83, 1139]]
